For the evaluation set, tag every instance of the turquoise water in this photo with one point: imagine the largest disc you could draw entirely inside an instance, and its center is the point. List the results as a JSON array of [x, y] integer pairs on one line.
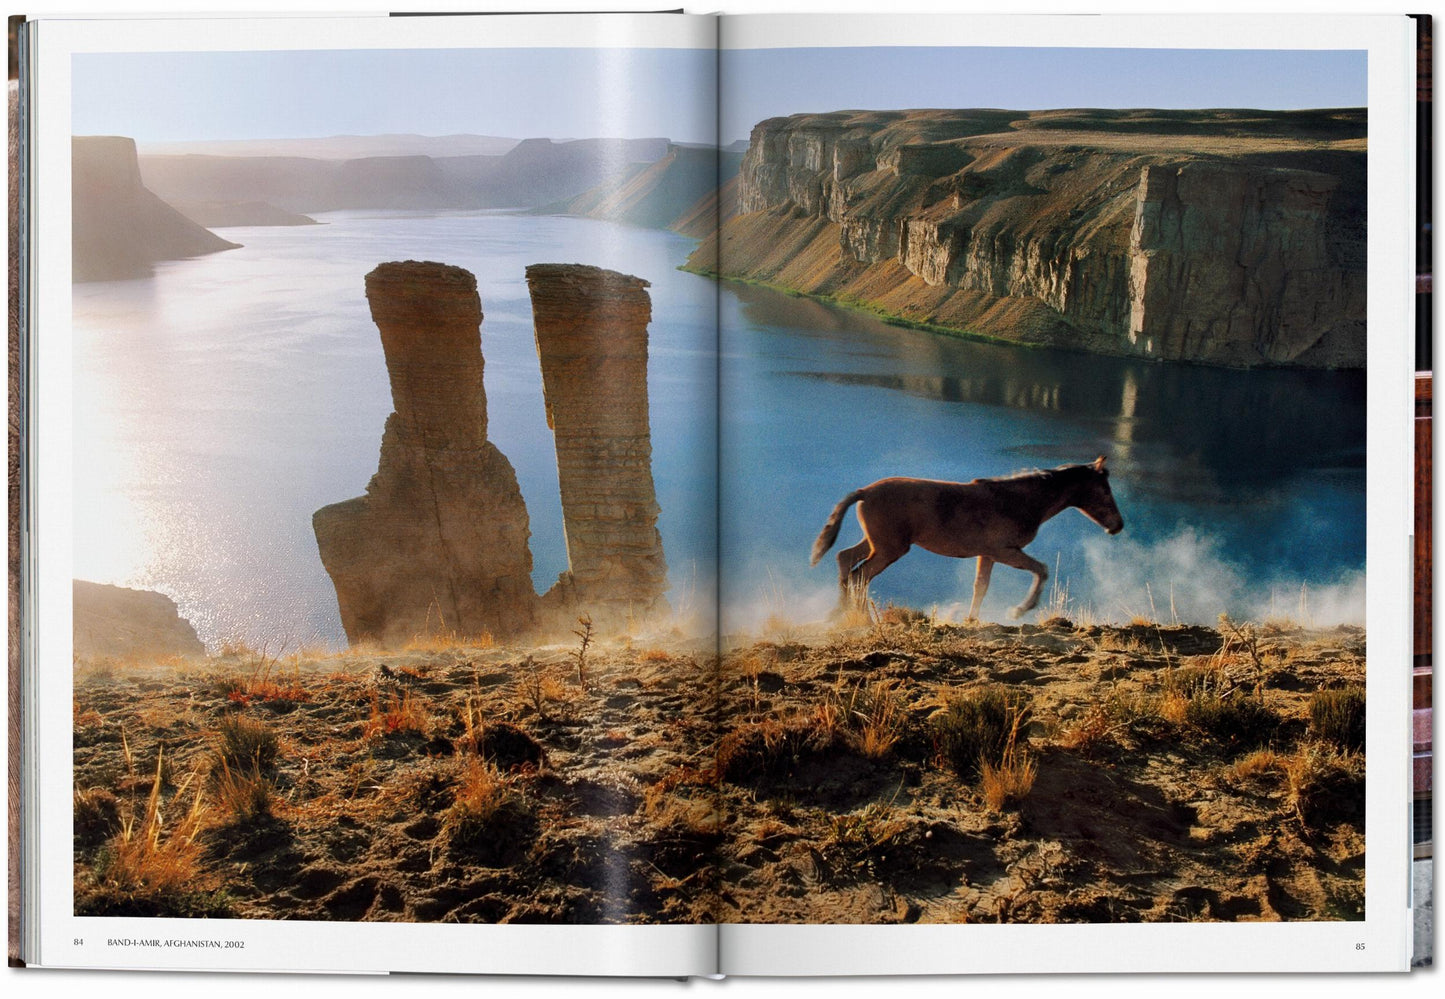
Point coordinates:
[[222, 401]]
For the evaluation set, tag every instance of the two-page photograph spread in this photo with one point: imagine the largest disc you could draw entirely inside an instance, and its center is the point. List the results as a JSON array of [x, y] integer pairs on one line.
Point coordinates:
[[689, 495]]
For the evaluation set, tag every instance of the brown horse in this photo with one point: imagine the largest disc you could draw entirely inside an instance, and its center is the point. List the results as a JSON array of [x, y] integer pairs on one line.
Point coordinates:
[[989, 518]]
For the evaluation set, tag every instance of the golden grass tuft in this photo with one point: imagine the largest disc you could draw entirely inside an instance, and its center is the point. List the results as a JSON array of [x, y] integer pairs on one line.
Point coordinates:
[[1010, 780], [487, 811], [397, 716], [1255, 770], [448, 641], [1091, 734], [875, 714], [151, 865], [244, 793]]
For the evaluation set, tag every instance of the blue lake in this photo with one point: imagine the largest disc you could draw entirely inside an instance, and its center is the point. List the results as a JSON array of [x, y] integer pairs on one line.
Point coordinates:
[[223, 400]]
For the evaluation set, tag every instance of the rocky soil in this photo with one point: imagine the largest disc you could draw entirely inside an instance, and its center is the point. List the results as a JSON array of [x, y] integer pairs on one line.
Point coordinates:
[[1154, 773]]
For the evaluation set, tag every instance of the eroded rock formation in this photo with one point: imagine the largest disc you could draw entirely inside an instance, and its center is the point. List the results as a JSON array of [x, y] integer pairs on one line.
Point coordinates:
[[118, 227], [439, 542], [116, 622], [591, 327], [1226, 237]]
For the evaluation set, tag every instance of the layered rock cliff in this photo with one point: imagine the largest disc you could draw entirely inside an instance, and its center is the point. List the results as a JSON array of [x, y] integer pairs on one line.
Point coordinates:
[[591, 328], [119, 229], [1224, 237], [438, 544]]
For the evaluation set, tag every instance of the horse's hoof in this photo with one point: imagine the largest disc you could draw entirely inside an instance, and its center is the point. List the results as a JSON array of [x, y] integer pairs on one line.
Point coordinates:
[[1016, 613]]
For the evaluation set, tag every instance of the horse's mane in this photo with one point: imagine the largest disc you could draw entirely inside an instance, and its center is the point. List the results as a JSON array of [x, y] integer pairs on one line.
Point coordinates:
[[1042, 473]]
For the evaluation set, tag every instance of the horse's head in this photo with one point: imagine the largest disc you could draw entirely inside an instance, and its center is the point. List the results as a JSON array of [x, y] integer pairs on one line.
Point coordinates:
[[1096, 499]]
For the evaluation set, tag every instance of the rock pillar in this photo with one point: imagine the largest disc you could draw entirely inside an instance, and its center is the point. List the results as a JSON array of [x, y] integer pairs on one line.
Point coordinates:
[[591, 327], [438, 545]]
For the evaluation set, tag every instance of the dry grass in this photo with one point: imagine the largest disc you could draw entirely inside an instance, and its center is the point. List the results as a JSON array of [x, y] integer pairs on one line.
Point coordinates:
[[1091, 734], [152, 865], [1314, 775], [246, 745], [487, 813], [538, 688], [1257, 770], [470, 742], [1010, 780], [481, 794], [875, 714], [243, 794], [398, 716], [976, 726], [1338, 717]]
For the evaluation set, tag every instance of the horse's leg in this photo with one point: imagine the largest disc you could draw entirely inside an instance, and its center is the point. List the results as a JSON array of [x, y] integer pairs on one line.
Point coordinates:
[[980, 584], [849, 558], [1015, 557], [882, 557]]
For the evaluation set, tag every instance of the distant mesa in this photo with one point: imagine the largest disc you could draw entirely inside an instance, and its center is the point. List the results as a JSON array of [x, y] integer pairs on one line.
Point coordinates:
[[438, 543], [435, 175], [1230, 237], [339, 147], [591, 330], [118, 623], [119, 229], [224, 214]]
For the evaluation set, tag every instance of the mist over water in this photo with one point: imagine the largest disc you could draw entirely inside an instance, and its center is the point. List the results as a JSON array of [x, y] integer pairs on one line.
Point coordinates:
[[219, 403]]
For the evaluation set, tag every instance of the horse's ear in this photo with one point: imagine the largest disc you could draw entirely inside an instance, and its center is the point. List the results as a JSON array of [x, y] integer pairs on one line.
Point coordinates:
[[1099, 463]]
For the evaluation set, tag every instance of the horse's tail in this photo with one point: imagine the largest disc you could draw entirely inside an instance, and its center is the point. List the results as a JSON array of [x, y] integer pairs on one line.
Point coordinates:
[[835, 521]]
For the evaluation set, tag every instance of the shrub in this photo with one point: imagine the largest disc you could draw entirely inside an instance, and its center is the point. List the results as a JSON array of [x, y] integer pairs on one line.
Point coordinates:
[[1338, 716], [1321, 783], [977, 726], [246, 746], [96, 816], [1238, 722]]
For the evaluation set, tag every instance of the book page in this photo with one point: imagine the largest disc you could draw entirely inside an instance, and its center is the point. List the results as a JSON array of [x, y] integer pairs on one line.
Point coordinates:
[[980, 276], [375, 486]]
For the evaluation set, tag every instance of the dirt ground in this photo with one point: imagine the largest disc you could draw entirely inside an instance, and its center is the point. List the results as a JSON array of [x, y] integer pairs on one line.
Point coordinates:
[[1148, 772]]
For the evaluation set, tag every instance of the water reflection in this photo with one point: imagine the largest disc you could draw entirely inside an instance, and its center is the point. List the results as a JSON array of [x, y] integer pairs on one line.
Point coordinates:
[[1189, 432]]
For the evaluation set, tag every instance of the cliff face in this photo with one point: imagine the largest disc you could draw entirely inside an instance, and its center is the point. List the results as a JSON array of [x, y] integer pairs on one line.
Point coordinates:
[[680, 191], [1222, 237], [119, 229], [591, 327], [439, 542], [115, 622]]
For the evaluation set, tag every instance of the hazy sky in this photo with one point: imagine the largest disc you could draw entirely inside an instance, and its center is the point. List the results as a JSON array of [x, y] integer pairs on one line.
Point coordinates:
[[522, 93], [168, 97]]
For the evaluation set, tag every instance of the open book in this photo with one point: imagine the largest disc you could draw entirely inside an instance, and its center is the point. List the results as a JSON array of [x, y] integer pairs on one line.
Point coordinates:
[[602, 494]]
